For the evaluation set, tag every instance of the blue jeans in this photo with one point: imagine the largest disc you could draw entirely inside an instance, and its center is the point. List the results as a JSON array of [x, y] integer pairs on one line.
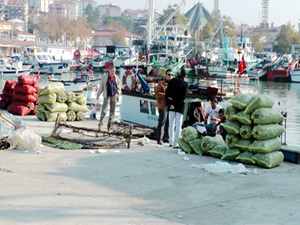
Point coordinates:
[[162, 127]]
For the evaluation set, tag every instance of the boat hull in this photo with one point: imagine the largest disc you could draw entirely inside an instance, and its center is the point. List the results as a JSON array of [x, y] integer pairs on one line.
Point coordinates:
[[295, 75]]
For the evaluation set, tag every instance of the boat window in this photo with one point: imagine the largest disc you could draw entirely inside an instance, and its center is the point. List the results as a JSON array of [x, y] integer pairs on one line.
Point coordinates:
[[39, 57], [154, 110], [1, 62], [144, 106]]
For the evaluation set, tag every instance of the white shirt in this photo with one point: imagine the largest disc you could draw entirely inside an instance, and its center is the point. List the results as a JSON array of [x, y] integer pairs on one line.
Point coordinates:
[[212, 112]]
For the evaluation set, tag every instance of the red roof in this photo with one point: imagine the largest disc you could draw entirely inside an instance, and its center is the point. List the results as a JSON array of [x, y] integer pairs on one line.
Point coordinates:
[[109, 33]]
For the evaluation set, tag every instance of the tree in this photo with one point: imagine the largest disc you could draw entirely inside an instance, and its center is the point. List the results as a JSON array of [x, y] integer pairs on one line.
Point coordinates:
[[259, 39], [178, 18], [286, 38], [93, 16], [122, 23], [213, 25]]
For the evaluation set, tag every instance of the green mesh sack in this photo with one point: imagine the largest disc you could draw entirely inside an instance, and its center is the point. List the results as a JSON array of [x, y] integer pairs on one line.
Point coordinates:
[[265, 146], [208, 142], [57, 107], [231, 127], [53, 87], [231, 154], [80, 116], [266, 116], [71, 116], [229, 113], [244, 145], [269, 160], [240, 101], [268, 131], [41, 116], [243, 118], [259, 101], [47, 99], [184, 146], [231, 140], [218, 151], [61, 97], [51, 117], [196, 146], [189, 133], [246, 157], [40, 108], [71, 97], [245, 132], [80, 99], [73, 106]]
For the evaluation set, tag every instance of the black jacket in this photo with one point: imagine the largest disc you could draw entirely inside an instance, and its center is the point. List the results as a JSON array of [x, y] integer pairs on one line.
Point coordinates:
[[177, 90]]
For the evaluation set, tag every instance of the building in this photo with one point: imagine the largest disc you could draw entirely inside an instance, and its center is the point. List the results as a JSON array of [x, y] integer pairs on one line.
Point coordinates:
[[16, 9], [57, 10], [71, 6], [105, 37], [109, 10], [40, 5]]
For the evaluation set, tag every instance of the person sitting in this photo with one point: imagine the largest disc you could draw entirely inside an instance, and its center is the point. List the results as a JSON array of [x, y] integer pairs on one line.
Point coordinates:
[[221, 119], [211, 114]]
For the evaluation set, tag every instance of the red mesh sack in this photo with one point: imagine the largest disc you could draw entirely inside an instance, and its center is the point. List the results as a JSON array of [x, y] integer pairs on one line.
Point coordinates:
[[10, 84], [36, 86], [25, 89], [18, 110], [27, 104], [27, 79], [25, 98]]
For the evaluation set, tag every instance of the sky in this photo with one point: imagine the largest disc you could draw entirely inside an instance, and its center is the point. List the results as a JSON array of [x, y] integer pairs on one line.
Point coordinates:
[[241, 11]]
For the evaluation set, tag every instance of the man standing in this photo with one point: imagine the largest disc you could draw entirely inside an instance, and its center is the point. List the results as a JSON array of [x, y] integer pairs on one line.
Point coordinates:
[[175, 95], [162, 108], [110, 86]]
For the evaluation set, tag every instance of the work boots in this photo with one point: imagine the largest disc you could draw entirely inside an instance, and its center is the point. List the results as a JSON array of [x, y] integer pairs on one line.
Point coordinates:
[[110, 122]]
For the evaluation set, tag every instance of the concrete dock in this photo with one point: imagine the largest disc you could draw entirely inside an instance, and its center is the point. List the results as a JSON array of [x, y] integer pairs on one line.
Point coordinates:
[[141, 185]]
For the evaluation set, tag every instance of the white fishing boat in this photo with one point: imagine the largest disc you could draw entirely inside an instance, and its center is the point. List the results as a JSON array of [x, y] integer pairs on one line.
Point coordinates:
[[8, 69], [44, 63]]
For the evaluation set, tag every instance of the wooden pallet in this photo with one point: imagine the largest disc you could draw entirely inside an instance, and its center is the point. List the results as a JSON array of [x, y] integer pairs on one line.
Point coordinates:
[[291, 153]]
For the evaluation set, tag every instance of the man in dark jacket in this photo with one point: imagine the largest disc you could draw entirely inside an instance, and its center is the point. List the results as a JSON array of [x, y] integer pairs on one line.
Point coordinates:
[[175, 95]]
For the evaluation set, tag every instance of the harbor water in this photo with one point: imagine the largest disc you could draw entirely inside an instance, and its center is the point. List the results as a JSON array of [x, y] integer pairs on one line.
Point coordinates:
[[287, 99]]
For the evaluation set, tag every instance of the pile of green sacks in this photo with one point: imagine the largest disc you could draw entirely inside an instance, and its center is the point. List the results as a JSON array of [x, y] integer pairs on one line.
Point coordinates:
[[253, 128], [53, 100]]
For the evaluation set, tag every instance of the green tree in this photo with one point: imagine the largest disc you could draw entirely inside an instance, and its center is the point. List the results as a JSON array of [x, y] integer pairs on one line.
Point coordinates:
[[121, 23], [93, 16], [286, 38], [259, 39], [178, 18], [213, 25]]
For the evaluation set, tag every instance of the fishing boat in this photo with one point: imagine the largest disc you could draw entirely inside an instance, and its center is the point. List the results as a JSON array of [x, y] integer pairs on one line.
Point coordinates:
[[282, 69], [44, 63], [8, 69]]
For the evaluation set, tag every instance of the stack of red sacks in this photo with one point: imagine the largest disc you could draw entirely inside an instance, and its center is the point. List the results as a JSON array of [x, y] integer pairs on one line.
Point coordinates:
[[7, 93], [25, 96]]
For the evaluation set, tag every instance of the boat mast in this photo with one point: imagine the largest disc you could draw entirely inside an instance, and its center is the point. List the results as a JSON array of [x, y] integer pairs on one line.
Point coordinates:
[[150, 21]]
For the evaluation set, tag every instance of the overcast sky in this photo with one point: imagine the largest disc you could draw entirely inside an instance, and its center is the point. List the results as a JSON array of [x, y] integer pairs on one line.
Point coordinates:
[[245, 11]]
